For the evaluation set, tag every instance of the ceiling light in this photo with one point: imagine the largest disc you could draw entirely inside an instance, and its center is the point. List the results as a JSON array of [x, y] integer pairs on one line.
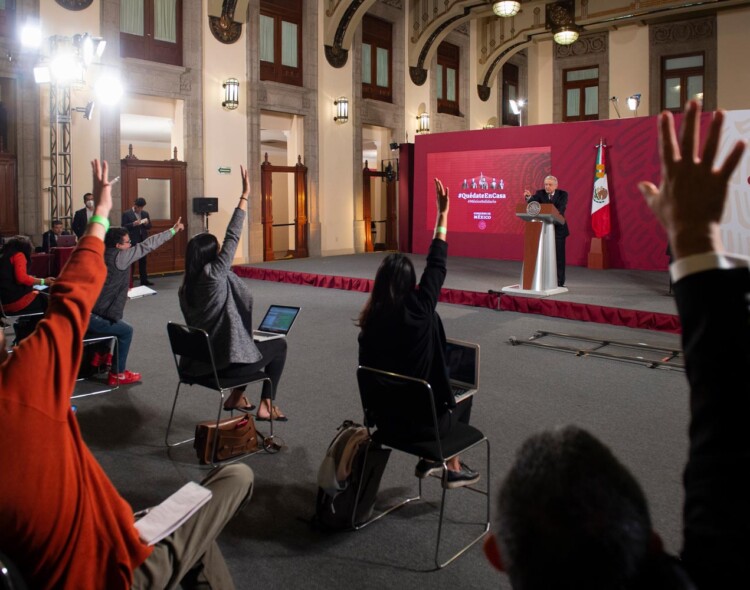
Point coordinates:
[[506, 8], [566, 35]]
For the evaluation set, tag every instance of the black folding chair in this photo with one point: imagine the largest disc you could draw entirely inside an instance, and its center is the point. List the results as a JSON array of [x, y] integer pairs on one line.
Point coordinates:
[[193, 343], [392, 404]]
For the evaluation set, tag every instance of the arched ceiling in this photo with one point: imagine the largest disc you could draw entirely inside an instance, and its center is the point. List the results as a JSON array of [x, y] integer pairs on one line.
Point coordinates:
[[498, 39]]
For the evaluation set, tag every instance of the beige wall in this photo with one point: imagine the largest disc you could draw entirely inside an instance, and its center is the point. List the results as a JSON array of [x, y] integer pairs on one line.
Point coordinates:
[[733, 49], [336, 170], [628, 54], [539, 107], [224, 133]]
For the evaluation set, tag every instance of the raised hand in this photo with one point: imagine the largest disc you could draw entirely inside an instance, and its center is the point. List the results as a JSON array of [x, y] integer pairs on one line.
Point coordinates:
[[443, 196], [690, 200], [178, 226]]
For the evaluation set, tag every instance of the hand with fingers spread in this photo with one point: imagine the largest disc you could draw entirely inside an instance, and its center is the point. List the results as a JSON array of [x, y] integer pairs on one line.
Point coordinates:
[[102, 193], [690, 199]]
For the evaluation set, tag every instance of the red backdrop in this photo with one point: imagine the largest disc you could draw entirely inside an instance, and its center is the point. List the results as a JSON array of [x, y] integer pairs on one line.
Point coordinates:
[[636, 241]]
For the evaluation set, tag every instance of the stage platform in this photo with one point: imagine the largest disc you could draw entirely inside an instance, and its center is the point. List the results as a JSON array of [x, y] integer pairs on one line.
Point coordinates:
[[637, 299]]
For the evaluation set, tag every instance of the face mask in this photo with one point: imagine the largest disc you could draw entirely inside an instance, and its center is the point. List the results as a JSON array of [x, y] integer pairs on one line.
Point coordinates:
[[90, 204]]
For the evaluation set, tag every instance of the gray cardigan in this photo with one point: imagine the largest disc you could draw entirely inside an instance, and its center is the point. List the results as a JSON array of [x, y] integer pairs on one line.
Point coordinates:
[[223, 305]]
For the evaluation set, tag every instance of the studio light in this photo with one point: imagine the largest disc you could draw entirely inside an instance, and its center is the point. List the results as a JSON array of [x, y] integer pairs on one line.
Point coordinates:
[[633, 102]]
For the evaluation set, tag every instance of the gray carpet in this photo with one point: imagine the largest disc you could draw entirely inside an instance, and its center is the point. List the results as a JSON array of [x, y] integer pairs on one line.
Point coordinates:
[[640, 412]]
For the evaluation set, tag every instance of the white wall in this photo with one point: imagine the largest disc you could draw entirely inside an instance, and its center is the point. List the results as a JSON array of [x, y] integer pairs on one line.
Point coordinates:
[[539, 106]]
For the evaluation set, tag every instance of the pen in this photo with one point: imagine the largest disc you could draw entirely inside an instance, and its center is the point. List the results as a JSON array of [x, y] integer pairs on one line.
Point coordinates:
[[115, 180]]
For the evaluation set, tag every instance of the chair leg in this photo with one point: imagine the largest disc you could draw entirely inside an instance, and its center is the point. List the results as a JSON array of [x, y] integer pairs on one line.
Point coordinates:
[[169, 424], [378, 515], [486, 493]]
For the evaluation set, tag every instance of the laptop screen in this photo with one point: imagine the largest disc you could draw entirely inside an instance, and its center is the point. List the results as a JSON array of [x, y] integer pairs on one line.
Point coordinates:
[[462, 362], [64, 241], [279, 319]]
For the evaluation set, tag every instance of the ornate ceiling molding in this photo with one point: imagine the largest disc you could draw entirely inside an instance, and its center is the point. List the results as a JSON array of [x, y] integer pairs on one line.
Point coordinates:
[[75, 4], [224, 28]]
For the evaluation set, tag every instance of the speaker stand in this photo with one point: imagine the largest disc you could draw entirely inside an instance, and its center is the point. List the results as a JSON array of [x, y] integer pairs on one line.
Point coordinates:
[[205, 222]]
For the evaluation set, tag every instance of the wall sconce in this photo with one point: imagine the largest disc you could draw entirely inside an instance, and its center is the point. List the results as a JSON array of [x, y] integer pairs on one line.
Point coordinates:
[[506, 9], [423, 123], [342, 110], [516, 107], [231, 94], [633, 102]]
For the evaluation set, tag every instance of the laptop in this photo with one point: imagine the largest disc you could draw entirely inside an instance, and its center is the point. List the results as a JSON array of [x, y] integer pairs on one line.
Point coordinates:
[[276, 323], [66, 241], [462, 361]]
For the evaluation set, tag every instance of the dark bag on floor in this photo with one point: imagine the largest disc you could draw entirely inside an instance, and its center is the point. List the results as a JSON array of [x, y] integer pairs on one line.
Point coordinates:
[[237, 436], [352, 463]]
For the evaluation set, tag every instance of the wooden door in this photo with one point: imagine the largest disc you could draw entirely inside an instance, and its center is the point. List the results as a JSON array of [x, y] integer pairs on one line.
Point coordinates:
[[164, 186]]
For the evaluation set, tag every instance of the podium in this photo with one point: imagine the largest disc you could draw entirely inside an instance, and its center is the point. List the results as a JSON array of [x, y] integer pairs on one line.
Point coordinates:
[[539, 270]]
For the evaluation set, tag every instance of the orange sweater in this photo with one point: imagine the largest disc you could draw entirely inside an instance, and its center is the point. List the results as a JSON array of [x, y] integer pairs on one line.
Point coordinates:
[[61, 519]]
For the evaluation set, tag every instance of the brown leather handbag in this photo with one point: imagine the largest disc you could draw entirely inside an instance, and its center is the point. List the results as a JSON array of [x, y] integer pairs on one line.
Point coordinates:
[[237, 436]]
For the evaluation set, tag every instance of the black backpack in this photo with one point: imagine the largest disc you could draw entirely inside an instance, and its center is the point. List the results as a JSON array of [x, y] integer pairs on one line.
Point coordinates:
[[341, 475]]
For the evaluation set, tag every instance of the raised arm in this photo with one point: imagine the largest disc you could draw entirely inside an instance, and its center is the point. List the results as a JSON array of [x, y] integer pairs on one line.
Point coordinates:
[[711, 291], [234, 230]]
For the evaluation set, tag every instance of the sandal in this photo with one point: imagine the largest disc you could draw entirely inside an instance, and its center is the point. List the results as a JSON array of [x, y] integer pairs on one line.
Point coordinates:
[[245, 407], [277, 416]]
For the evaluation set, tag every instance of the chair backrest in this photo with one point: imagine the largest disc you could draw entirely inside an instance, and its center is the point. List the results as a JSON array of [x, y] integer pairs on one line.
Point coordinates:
[[190, 343], [395, 403]]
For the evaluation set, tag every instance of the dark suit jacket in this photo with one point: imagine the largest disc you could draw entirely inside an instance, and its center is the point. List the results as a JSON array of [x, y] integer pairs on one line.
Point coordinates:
[[715, 317], [560, 201], [49, 240], [80, 219], [137, 233]]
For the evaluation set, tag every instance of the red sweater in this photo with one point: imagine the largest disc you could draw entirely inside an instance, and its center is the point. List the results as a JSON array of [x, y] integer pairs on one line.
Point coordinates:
[[18, 260], [61, 519]]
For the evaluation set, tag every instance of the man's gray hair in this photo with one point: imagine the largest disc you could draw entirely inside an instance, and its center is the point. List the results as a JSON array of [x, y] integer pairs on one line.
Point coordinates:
[[550, 177]]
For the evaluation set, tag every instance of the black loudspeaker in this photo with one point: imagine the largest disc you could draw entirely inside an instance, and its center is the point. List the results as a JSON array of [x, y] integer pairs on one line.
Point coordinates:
[[205, 205]]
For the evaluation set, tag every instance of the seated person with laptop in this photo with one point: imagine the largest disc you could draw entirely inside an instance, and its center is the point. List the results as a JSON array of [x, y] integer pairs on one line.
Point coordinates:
[[215, 299], [401, 332]]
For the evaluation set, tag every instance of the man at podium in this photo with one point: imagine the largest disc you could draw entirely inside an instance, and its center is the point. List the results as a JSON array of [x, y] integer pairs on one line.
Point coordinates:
[[559, 198]]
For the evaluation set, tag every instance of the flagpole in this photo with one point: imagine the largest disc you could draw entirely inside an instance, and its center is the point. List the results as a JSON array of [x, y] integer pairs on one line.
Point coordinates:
[[598, 258]]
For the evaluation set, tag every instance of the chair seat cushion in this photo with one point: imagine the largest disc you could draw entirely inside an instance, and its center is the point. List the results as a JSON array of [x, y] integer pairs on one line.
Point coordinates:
[[460, 437]]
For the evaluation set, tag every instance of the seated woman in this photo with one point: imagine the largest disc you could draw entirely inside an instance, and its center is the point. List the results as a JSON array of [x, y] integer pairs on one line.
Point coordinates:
[[401, 332], [17, 291], [216, 300]]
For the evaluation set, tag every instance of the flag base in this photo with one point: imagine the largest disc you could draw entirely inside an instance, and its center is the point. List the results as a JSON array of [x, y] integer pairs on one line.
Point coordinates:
[[598, 255]]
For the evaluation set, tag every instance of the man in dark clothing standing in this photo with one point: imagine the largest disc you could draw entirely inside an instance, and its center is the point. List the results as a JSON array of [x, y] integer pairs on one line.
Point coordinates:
[[82, 216], [138, 222], [551, 194]]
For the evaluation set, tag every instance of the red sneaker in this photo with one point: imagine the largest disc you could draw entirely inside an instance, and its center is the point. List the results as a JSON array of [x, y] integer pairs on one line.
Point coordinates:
[[96, 359], [124, 378]]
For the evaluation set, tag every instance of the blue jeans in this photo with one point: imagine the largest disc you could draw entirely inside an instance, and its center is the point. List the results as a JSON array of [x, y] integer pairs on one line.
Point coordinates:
[[99, 326]]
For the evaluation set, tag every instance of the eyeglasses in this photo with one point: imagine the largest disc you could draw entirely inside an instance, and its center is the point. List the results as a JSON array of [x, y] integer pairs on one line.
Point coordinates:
[[126, 242]]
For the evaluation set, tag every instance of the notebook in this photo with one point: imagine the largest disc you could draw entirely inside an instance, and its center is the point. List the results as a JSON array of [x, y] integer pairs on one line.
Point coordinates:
[[276, 323], [462, 361], [66, 241]]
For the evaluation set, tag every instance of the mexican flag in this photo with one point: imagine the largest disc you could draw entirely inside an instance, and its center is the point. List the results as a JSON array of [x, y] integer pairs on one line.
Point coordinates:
[[600, 198]]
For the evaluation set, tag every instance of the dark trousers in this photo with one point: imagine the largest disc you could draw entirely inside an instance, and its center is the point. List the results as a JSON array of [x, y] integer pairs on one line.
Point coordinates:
[[142, 271], [560, 255], [272, 364]]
